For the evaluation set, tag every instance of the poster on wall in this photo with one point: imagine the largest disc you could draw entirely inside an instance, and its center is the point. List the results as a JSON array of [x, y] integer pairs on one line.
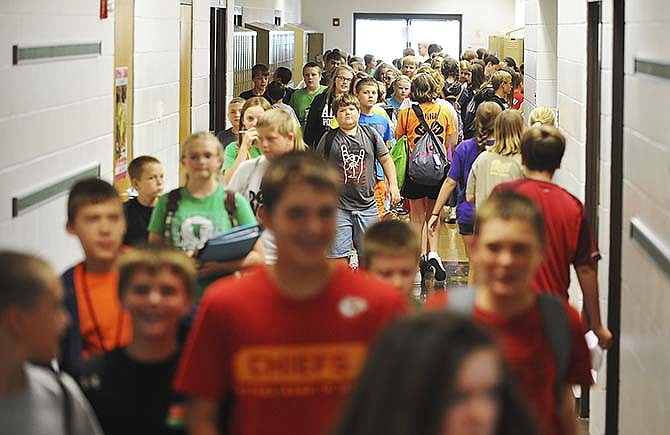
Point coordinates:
[[120, 122]]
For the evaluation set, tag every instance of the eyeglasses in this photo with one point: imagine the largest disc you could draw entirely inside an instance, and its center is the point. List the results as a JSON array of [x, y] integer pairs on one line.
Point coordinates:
[[343, 79]]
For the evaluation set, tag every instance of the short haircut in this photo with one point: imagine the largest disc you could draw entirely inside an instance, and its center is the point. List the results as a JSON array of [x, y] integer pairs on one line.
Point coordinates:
[[24, 277], [357, 66], [334, 54], [469, 55], [89, 191], [237, 100], [499, 77], [390, 237], [464, 65], [409, 51], [491, 59], [541, 115], [312, 65], [136, 166], [508, 131], [542, 148], [284, 123], [153, 258], [367, 81], [450, 68], [260, 69], [276, 90], [344, 100], [509, 205], [353, 59], [284, 74], [434, 48], [287, 170], [409, 60], [368, 58], [509, 60], [424, 88], [482, 53]]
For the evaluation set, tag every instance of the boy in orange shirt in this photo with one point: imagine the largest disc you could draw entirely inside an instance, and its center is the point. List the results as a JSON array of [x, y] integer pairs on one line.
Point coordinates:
[[98, 321]]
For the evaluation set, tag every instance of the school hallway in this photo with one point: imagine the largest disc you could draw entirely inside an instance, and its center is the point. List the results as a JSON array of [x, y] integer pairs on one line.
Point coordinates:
[[86, 86]]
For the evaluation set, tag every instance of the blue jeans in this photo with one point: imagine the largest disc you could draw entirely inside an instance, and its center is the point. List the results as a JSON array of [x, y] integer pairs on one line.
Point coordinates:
[[349, 227]]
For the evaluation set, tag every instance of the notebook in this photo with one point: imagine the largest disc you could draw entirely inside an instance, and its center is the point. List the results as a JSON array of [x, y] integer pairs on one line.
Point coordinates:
[[231, 245]]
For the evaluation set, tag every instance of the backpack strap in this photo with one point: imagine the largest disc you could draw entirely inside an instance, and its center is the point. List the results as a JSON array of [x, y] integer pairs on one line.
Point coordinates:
[[557, 331], [330, 135], [174, 198], [231, 207], [419, 114]]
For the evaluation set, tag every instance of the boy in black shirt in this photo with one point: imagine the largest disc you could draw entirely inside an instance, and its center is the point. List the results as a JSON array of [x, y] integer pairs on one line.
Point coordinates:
[[146, 174], [130, 388], [260, 75]]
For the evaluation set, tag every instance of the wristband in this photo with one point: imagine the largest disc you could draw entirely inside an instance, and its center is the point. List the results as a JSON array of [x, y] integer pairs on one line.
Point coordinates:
[[434, 214]]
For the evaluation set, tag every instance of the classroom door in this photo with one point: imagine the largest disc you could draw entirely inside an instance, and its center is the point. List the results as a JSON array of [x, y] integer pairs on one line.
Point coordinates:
[[185, 54]]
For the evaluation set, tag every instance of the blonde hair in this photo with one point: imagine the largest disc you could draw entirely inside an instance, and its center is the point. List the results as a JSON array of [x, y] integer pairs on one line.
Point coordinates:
[[284, 123], [508, 131], [499, 77], [541, 115], [154, 257], [410, 60], [203, 136]]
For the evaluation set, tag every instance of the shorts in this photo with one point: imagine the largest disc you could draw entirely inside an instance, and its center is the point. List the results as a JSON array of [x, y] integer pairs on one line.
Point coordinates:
[[349, 227], [466, 228], [412, 190]]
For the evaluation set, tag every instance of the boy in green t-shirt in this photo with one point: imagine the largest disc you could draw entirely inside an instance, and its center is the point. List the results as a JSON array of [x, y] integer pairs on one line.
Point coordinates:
[[302, 98]]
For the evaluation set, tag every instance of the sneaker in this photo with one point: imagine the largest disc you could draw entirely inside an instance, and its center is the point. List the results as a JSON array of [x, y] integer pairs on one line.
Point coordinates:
[[418, 279], [452, 216], [353, 259], [436, 263]]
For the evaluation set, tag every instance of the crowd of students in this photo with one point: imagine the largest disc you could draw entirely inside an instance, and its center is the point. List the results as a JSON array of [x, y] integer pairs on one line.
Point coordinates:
[[143, 337]]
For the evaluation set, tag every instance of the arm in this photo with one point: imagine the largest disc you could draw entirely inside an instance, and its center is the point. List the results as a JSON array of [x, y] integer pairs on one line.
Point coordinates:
[[254, 257], [567, 414], [248, 139], [202, 417], [447, 187], [588, 281], [156, 238], [390, 174]]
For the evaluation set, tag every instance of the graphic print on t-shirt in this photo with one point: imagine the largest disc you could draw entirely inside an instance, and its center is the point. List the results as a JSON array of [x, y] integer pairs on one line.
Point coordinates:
[[326, 115], [353, 165], [299, 370], [194, 232], [437, 128]]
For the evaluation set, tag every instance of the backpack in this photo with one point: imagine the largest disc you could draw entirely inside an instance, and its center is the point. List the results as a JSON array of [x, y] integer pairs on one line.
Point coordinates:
[[330, 135], [174, 198], [555, 324], [427, 163]]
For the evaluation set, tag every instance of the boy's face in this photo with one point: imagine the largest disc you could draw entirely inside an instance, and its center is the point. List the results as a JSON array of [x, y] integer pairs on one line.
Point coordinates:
[[332, 64], [347, 116], [156, 300], [100, 228], [408, 69], [150, 183], [274, 144], [312, 76], [506, 254], [398, 270], [402, 89], [303, 223], [466, 76], [234, 112], [261, 81], [43, 325], [368, 96]]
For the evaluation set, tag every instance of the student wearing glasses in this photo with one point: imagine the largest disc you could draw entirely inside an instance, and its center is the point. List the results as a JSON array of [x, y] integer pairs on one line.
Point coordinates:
[[320, 113]]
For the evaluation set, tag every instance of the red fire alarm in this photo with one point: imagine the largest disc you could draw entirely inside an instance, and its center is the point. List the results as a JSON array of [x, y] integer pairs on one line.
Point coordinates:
[[103, 9], [336, 22]]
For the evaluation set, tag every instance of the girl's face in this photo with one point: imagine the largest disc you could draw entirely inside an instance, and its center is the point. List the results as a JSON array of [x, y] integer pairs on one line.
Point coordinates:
[[475, 404], [343, 82], [274, 144], [401, 90], [202, 160], [388, 78], [251, 116]]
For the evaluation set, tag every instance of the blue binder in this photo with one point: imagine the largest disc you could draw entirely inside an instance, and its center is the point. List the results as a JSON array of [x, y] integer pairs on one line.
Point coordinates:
[[231, 245]]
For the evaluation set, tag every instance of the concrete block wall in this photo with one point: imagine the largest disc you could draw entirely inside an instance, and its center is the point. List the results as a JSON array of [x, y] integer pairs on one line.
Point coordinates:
[[263, 10], [645, 305], [540, 50], [55, 117], [200, 67]]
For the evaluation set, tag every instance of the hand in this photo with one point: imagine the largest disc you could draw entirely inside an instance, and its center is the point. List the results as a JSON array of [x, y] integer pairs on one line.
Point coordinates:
[[395, 195], [604, 335], [433, 223], [249, 138]]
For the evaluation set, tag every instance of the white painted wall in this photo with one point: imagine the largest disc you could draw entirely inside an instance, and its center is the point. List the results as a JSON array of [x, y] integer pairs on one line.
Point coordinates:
[[55, 117], [480, 18], [263, 10], [645, 305]]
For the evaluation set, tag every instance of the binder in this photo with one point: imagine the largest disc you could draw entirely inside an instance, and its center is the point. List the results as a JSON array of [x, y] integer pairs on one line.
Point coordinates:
[[231, 245]]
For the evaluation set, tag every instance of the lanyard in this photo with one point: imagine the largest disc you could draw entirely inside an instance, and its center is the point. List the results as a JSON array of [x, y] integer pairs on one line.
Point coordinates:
[[94, 318]]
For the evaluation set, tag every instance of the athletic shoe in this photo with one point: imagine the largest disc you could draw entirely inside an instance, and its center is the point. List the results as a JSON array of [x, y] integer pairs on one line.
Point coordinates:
[[436, 263], [353, 259]]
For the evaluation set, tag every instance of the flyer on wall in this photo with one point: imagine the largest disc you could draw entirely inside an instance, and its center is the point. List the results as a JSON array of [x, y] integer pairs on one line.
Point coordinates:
[[120, 122]]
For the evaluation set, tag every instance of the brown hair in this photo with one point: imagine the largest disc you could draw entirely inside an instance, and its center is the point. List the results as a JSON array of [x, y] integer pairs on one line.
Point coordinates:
[[24, 277], [345, 100], [485, 120], [336, 72], [89, 191], [392, 237], [542, 148], [136, 166], [509, 205], [424, 88]]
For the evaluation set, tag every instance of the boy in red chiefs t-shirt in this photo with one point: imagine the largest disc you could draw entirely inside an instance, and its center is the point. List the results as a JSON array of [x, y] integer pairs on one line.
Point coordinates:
[[285, 341], [507, 248], [568, 236]]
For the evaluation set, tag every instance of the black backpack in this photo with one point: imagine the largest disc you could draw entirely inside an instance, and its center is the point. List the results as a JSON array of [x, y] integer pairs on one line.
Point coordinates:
[[174, 198], [427, 162]]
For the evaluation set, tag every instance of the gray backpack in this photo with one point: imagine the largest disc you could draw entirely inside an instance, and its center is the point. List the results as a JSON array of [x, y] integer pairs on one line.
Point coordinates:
[[427, 163], [555, 324]]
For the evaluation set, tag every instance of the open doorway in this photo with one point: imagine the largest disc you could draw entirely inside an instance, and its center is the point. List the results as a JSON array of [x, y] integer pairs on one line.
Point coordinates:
[[405, 30]]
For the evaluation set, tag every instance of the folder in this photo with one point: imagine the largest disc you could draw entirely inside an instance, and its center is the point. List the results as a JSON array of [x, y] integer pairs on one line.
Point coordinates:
[[231, 245]]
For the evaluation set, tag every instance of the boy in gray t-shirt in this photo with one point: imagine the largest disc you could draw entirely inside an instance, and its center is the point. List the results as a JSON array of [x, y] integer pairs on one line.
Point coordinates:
[[34, 400], [353, 148]]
